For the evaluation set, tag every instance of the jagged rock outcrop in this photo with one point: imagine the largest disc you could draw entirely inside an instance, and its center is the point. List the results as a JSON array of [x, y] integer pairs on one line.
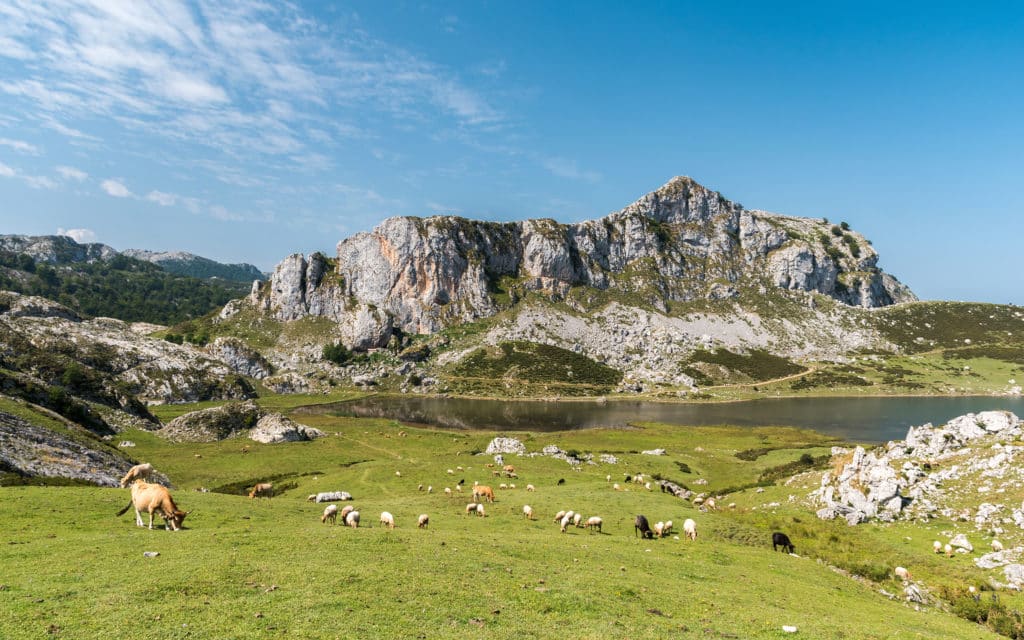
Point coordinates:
[[242, 358], [904, 478], [274, 427], [118, 366], [680, 242], [33, 451], [56, 249]]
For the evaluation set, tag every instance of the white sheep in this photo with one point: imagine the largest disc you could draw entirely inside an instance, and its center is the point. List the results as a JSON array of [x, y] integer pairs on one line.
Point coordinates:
[[565, 522], [668, 527], [459, 467], [576, 519], [511, 486], [503, 486], [647, 485], [638, 478], [458, 488], [690, 529], [559, 515], [594, 522], [902, 574], [347, 509], [387, 519], [423, 521], [949, 550], [448, 491], [996, 545], [398, 474], [330, 513], [430, 489], [529, 487], [616, 487], [480, 510], [608, 478], [352, 519], [450, 472], [528, 512], [659, 529], [311, 498], [419, 488], [937, 546], [470, 508]]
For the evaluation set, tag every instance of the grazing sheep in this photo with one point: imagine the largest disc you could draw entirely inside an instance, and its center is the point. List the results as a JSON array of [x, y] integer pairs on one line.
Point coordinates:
[[398, 474], [641, 525], [565, 523], [461, 482], [782, 540], [430, 488], [450, 472], [347, 509], [638, 478], [311, 497], [709, 504], [503, 486], [470, 508], [996, 545], [528, 512], [561, 481], [138, 472], [949, 550], [352, 519], [387, 519], [330, 513], [902, 574], [511, 486], [419, 488], [659, 529], [448, 492], [576, 520], [937, 547], [667, 528], [616, 487], [530, 487], [559, 516], [690, 529], [647, 485], [593, 522], [459, 467], [423, 521], [608, 478], [570, 514], [458, 488], [480, 510]]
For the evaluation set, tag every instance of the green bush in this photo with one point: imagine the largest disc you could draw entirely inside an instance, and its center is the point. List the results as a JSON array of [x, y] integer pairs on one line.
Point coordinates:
[[836, 231], [337, 353]]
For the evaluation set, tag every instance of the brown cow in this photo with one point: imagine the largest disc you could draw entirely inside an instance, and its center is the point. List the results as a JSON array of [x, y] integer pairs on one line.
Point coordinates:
[[262, 489], [138, 472], [154, 498], [481, 491]]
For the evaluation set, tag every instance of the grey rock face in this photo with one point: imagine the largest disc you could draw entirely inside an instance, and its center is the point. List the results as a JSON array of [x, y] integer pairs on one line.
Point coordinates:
[[274, 427], [680, 242], [33, 451], [242, 358], [56, 249], [505, 445]]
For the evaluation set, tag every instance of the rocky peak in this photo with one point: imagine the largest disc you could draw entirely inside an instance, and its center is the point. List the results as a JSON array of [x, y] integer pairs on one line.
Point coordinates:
[[56, 249], [680, 242]]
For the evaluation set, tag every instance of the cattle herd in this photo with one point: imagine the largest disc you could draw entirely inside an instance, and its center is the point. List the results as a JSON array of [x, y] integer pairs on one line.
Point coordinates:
[[155, 499]]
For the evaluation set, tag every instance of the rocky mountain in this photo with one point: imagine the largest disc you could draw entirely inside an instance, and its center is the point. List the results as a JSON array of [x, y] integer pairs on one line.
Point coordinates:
[[56, 249], [187, 264], [680, 243]]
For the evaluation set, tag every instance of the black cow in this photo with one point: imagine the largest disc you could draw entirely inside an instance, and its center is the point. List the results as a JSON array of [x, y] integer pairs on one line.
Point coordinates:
[[782, 540], [641, 525]]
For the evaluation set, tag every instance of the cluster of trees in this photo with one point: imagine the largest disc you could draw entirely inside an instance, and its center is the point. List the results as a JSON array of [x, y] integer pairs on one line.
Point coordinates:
[[125, 288]]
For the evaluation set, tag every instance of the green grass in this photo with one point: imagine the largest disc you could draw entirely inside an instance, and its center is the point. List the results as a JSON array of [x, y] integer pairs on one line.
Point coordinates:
[[756, 366], [528, 364], [268, 568]]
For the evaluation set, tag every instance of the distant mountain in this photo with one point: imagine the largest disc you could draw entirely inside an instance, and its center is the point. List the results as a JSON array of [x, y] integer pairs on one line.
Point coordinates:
[[187, 264], [56, 249]]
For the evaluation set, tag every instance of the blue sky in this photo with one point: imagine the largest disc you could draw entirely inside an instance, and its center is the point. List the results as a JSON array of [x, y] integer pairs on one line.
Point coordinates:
[[246, 131]]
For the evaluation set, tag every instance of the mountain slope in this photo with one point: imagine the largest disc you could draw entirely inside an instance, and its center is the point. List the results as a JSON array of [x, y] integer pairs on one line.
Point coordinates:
[[187, 264]]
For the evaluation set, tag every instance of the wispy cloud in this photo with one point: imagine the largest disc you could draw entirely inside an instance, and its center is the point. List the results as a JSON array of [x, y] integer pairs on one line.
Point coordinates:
[[20, 146], [33, 181], [71, 173], [161, 198], [115, 188], [78, 235], [7, 172], [564, 168]]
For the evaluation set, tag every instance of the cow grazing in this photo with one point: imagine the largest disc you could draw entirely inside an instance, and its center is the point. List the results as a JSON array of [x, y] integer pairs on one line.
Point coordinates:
[[641, 525], [782, 540], [138, 472], [265, 489], [154, 498], [485, 492]]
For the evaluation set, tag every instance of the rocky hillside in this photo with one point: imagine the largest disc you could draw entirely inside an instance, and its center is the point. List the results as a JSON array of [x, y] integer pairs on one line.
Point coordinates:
[[187, 264], [680, 243]]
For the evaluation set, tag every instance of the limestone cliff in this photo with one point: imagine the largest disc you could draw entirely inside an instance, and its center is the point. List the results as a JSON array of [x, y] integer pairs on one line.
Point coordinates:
[[681, 242]]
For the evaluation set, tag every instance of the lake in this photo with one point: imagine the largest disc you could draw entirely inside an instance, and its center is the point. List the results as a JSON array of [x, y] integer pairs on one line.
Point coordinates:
[[861, 419]]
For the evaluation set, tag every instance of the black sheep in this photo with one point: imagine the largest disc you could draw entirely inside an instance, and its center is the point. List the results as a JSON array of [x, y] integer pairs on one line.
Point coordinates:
[[641, 525], [782, 540]]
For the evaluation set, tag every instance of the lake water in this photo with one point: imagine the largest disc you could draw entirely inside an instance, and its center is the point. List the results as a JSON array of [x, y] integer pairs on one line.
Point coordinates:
[[861, 419]]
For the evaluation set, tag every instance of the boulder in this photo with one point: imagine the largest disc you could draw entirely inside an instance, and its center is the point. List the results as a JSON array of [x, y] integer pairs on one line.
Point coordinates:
[[210, 425], [242, 358], [960, 541], [274, 427], [505, 445]]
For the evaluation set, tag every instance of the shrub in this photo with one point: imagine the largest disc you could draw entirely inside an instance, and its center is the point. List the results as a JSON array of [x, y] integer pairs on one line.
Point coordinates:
[[844, 226], [337, 353], [836, 231]]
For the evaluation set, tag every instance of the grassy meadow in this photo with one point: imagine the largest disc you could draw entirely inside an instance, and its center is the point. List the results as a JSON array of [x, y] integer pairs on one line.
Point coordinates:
[[269, 568]]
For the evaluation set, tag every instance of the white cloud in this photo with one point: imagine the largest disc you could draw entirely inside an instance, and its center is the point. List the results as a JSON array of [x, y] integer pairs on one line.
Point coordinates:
[[161, 198], [40, 182], [115, 188], [20, 146], [71, 173], [564, 168], [78, 235], [6, 171], [220, 213]]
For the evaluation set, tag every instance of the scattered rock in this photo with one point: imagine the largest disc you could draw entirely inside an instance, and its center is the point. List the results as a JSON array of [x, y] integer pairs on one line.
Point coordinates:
[[210, 425], [505, 445], [274, 427], [654, 452]]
